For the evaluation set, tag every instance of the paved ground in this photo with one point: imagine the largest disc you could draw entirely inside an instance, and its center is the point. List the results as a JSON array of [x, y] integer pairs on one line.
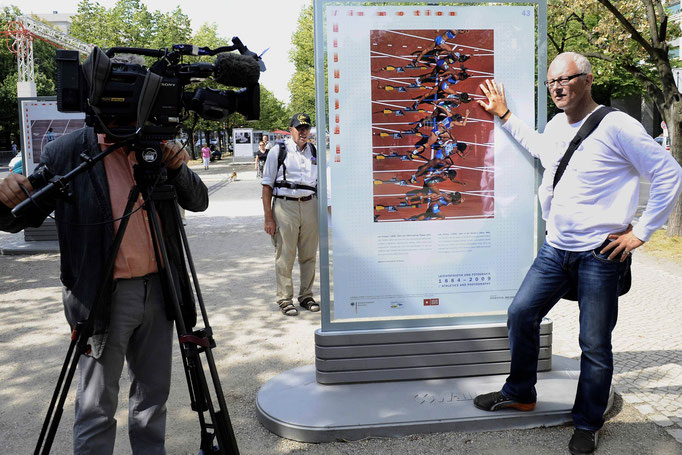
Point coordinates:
[[255, 342]]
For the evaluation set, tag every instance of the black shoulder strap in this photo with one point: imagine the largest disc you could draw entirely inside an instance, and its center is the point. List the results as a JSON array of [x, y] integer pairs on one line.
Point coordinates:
[[585, 130], [280, 160], [313, 150]]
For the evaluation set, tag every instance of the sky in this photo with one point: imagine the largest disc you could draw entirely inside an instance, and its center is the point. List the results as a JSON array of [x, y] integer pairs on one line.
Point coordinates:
[[260, 24]]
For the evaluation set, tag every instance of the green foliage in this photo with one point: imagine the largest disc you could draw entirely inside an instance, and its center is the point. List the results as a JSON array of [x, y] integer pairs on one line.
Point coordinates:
[[302, 83], [273, 114], [90, 24], [622, 58], [302, 54], [173, 27], [207, 35], [302, 88]]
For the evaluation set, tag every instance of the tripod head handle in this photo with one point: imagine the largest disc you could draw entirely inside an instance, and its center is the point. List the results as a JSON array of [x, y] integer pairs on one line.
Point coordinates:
[[51, 184]]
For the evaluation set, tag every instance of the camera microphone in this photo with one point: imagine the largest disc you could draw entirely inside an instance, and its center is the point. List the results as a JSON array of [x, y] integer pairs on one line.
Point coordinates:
[[236, 70]]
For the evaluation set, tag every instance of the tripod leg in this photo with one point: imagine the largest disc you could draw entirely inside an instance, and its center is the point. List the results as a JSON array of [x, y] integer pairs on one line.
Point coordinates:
[[193, 343], [224, 430], [58, 389]]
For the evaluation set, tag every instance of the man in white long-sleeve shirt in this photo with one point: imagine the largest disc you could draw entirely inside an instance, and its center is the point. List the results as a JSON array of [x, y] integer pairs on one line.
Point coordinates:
[[589, 235]]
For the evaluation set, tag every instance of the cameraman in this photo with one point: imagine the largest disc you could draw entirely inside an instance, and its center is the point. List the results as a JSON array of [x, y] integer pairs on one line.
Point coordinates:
[[132, 321]]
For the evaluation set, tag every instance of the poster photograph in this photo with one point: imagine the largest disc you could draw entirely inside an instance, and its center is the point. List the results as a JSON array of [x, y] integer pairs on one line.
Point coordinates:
[[43, 123], [433, 144], [242, 137], [432, 202]]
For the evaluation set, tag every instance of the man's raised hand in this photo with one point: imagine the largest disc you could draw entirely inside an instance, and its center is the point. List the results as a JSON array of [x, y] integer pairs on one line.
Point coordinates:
[[497, 102]]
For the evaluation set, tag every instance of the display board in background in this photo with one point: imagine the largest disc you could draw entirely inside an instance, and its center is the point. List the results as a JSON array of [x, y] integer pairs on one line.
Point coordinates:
[[41, 123], [242, 139], [432, 203]]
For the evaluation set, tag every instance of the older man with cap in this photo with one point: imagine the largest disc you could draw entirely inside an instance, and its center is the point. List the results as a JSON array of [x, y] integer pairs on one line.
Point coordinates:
[[290, 209]]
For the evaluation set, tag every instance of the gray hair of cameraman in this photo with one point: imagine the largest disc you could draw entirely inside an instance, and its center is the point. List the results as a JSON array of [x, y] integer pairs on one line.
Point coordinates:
[[131, 59], [581, 62]]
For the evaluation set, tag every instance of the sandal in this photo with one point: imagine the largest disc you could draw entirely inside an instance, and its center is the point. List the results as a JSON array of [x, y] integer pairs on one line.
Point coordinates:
[[309, 304], [288, 308]]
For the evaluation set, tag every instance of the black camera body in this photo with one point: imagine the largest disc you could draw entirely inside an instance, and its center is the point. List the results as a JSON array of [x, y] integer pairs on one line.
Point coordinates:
[[121, 98]]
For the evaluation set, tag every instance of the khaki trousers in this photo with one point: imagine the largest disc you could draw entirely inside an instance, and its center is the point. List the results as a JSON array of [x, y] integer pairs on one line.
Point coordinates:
[[297, 228]]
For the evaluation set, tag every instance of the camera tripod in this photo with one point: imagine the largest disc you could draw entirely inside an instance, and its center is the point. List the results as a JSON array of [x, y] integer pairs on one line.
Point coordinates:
[[217, 436]]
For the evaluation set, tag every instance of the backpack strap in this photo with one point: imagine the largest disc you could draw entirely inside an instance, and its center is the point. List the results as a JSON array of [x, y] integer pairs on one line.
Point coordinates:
[[280, 160], [585, 130]]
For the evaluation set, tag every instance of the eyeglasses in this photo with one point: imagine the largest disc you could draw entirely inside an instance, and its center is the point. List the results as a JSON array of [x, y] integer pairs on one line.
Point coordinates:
[[302, 128], [563, 81]]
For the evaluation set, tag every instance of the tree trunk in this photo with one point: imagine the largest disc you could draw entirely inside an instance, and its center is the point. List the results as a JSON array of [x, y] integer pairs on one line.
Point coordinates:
[[675, 131], [192, 140], [674, 225]]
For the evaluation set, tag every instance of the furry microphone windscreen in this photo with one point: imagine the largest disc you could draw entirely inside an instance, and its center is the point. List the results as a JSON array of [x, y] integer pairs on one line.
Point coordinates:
[[236, 70]]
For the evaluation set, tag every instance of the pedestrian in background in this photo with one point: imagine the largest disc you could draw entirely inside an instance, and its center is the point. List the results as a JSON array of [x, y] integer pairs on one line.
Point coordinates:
[[266, 142], [206, 155], [261, 156]]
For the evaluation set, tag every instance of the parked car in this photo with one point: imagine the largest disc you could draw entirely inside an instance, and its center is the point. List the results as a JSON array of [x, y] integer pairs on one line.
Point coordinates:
[[200, 143], [16, 164]]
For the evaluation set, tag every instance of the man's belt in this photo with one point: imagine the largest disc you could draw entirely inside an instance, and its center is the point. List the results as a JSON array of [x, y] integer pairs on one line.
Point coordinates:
[[299, 199]]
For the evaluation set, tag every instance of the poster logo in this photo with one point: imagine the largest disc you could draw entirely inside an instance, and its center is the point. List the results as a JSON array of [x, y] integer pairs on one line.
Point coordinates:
[[431, 302]]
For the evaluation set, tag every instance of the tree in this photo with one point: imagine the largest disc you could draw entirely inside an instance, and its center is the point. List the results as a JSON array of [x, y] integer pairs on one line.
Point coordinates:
[[128, 23], [171, 28], [89, 24], [566, 30], [302, 83], [634, 36], [273, 114]]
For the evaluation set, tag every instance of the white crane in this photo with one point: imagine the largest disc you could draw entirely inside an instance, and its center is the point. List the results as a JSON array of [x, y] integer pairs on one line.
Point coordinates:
[[23, 31]]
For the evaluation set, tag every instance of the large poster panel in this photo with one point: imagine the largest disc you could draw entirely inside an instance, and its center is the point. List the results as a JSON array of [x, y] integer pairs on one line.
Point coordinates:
[[41, 123], [433, 205]]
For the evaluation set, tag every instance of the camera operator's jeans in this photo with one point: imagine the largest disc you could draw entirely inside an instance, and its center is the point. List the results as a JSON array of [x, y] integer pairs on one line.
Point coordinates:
[[545, 283], [140, 332]]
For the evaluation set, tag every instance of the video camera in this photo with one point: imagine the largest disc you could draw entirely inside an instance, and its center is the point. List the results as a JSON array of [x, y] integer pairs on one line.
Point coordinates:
[[124, 99]]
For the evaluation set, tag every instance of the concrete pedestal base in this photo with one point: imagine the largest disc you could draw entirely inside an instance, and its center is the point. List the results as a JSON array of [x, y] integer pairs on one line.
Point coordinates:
[[293, 405]]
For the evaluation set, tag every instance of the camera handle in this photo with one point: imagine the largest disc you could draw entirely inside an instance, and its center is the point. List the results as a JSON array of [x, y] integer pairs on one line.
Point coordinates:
[[216, 427], [52, 184]]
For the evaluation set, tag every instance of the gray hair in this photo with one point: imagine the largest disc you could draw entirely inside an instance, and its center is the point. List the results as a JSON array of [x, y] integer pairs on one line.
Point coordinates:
[[581, 62], [132, 59]]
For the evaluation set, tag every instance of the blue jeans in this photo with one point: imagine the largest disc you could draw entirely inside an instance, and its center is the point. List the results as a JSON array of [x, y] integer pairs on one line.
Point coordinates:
[[548, 279]]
